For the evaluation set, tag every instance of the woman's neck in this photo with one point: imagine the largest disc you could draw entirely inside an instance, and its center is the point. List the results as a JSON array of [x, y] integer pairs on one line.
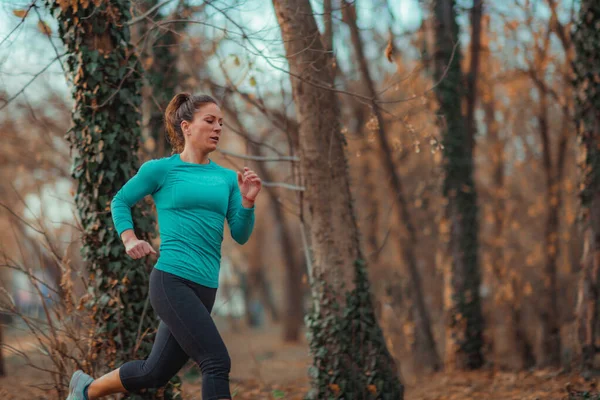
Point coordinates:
[[190, 156]]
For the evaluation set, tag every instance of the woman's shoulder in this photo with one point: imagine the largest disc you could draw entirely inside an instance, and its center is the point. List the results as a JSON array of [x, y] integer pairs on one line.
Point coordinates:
[[229, 173], [160, 162], [157, 166], [224, 170]]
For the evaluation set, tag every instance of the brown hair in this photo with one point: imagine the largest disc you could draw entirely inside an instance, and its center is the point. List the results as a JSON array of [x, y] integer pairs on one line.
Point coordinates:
[[182, 108]]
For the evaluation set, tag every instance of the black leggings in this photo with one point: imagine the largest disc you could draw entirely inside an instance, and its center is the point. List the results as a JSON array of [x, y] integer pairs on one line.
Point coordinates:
[[186, 330]]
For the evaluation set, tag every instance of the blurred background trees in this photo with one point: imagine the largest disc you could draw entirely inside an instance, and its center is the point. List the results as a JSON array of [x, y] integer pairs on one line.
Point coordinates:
[[450, 144]]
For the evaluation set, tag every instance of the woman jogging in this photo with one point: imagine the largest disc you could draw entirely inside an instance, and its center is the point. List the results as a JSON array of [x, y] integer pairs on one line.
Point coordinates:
[[193, 197]]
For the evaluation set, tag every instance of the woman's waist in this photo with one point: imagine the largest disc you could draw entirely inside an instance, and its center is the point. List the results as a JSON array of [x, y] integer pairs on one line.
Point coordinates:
[[203, 274], [185, 241], [190, 254]]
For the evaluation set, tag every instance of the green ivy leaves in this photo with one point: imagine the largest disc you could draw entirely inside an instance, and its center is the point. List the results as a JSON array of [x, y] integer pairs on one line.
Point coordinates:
[[347, 344], [106, 134]]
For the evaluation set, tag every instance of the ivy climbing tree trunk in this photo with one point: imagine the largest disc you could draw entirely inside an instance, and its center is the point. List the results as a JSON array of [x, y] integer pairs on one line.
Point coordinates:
[[464, 328], [586, 39], [105, 136], [350, 358]]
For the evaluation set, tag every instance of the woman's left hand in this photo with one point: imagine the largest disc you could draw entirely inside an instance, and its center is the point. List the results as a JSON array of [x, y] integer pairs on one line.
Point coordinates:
[[249, 184]]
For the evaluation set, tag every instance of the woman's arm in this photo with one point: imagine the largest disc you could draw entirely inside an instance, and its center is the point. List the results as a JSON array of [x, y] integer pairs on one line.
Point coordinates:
[[147, 181], [240, 215]]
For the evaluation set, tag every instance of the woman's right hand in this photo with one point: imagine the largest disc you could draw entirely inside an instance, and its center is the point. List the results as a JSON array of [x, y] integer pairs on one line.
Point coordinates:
[[137, 248]]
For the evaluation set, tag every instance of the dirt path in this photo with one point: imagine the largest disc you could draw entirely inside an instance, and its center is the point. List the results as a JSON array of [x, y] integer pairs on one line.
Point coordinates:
[[266, 368]]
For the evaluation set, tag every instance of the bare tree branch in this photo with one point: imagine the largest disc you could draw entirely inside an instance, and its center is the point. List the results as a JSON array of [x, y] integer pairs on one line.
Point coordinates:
[[150, 11], [259, 158], [31, 80], [53, 46], [32, 5]]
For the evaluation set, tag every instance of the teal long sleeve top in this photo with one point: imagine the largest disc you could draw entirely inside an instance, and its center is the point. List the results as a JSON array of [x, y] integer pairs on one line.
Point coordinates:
[[192, 202]]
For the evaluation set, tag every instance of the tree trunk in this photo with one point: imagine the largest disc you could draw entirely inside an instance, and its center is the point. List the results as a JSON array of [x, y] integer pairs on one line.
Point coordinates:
[[294, 294], [353, 351], [548, 310], [327, 36], [508, 283], [464, 335], [550, 326], [258, 287], [2, 365], [508, 286], [425, 339], [294, 310], [107, 94], [587, 104], [473, 76], [328, 25], [360, 113], [294, 315], [587, 299]]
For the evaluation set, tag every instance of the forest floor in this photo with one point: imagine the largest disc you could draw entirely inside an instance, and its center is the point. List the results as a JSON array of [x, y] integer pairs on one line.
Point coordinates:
[[266, 368]]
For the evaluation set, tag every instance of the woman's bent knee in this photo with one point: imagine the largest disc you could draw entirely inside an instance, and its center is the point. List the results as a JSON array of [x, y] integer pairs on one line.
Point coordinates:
[[157, 381], [218, 364], [136, 375]]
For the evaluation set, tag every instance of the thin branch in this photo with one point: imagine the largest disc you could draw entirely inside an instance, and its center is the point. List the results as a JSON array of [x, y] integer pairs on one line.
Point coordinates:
[[150, 11], [416, 96], [19, 268], [32, 5], [20, 218], [284, 185], [31, 81], [366, 99], [53, 46], [259, 158]]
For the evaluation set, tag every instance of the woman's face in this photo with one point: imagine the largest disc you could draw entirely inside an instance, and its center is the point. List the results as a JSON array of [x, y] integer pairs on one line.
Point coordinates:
[[204, 132]]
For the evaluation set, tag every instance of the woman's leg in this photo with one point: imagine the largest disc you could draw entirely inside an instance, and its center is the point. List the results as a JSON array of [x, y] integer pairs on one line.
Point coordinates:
[[185, 308], [164, 361], [105, 385]]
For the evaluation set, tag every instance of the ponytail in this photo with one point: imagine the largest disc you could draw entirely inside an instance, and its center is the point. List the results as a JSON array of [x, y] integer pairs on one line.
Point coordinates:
[[182, 108]]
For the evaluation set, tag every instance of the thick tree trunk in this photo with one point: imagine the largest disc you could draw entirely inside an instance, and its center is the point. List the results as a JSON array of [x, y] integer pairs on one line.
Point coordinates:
[[333, 225], [428, 350], [587, 301], [464, 338], [587, 95], [344, 360], [107, 94]]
